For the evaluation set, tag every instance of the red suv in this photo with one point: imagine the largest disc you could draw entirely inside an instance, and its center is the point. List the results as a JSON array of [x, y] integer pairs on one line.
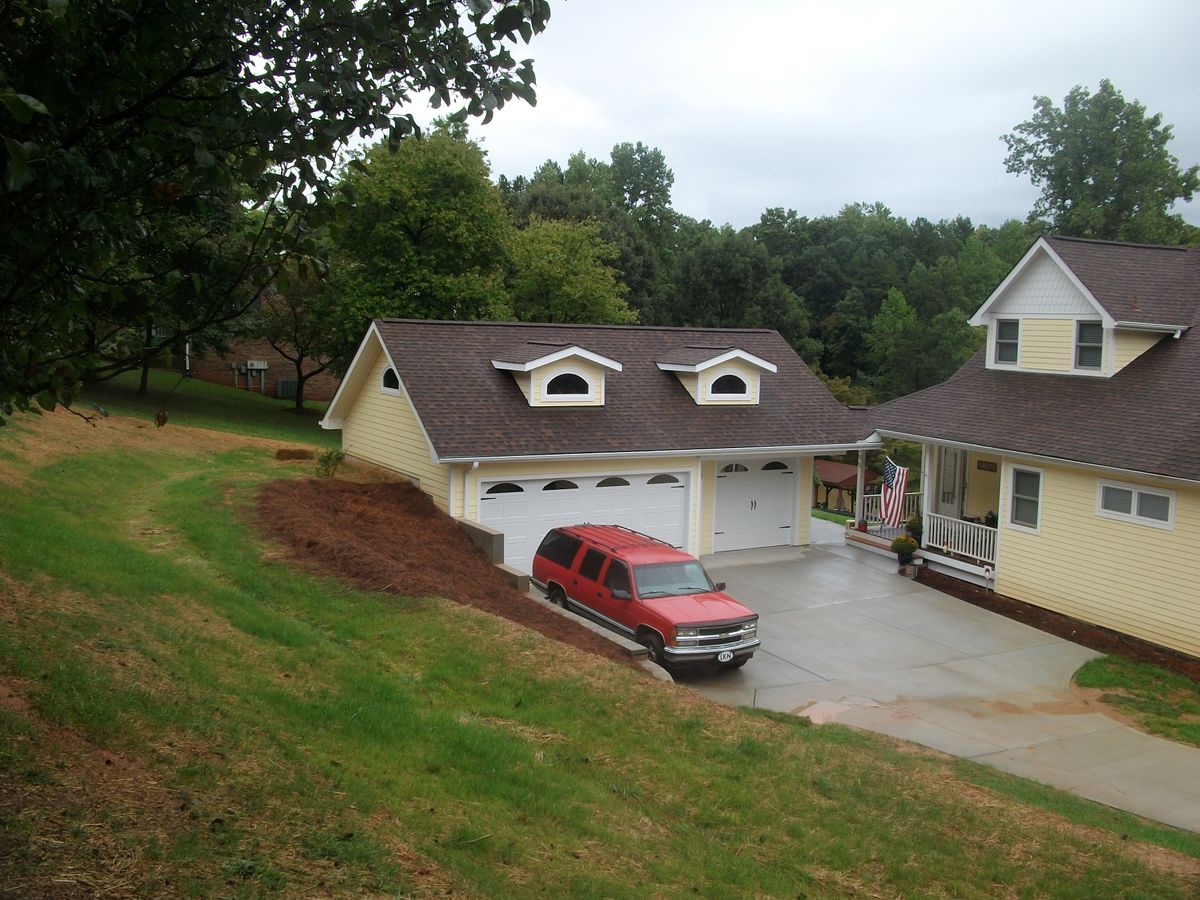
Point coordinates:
[[647, 590]]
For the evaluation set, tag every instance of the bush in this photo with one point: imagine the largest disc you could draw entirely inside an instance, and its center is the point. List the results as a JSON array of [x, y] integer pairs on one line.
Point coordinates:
[[904, 544], [328, 462]]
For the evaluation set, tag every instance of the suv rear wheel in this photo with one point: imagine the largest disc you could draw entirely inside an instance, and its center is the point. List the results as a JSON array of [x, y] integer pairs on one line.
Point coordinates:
[[556, 596]]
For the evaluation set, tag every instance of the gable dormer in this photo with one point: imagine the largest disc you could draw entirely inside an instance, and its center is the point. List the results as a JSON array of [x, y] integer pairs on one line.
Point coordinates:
[[1044, 319], [719, 376], [558, 375]]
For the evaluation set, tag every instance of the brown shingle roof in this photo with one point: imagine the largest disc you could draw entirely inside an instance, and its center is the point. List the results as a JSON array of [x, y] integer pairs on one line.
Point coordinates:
[[1135, 282], [472, 410], [1146, 418]]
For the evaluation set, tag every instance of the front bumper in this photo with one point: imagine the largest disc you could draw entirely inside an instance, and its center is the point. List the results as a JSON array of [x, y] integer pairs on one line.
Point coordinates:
[[710, 654]]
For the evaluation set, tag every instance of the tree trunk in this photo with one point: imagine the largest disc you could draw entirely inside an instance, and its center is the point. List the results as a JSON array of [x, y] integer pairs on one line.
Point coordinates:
[[144, 383], [300, 379]]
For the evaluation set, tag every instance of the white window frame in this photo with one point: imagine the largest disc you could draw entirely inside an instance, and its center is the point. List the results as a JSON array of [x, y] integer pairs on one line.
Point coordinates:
[[588, 397], [710, 397], [1079, 323], [1012, 487], [396, 391], [996, 360], [1132, 517]]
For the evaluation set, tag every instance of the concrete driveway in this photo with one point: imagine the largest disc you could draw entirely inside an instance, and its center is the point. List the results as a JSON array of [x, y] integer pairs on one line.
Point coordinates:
[[846, 639]]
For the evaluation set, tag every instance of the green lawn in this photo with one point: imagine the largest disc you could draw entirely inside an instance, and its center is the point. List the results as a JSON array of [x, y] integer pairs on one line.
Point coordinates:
[[831, 516], [203, 405], [1161, 702], [183, 713]]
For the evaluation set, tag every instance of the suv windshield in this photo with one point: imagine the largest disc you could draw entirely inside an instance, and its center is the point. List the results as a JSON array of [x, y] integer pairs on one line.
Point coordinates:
[[671, 579]]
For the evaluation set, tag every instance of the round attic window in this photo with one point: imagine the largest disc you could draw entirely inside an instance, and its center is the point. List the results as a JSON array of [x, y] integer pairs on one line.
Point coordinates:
[[730, 386]]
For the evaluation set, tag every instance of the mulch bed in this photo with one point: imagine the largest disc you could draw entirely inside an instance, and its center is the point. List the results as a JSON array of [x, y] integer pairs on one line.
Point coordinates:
[[390, 537], [1102, 639]]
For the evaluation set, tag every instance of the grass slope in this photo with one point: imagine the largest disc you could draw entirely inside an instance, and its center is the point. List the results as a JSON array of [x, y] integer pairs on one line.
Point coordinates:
[[182, 713]]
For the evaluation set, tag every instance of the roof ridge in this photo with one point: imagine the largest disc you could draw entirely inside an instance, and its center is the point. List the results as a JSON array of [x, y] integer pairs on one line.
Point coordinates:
[[1102, 242], [554, 325]]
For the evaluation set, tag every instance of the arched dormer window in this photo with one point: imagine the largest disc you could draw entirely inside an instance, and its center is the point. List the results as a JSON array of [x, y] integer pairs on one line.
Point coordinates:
[[568, 384], [391, 381], [729, 386]]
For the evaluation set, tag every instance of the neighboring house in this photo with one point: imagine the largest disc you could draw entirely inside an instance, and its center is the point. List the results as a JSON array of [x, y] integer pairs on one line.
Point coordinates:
[[701, 437], [1076, 431], [253, 364]]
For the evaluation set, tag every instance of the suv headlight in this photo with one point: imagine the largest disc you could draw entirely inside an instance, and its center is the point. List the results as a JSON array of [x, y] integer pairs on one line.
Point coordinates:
[[687, 632]]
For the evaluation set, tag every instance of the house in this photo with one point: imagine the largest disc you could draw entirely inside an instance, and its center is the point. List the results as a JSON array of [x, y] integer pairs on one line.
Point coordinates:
[[701, 437], [1063, 460]]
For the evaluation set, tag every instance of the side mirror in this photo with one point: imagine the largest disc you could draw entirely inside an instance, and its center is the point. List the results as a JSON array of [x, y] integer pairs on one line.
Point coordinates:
[[720, 586], [619, 594]]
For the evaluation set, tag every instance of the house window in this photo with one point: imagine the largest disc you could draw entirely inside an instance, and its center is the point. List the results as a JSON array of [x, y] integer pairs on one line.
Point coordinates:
[[568, 384], [391, 381], [1089, 345], [1008, 339], [1134, 503], [734, 467], [1025, 508], [729, 386]]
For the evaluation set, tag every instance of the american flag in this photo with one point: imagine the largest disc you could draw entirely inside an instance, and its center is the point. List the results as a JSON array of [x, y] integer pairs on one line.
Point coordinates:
[[891, 500]]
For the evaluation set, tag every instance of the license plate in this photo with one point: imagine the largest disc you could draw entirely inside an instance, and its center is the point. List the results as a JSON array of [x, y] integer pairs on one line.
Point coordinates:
[[725, 656]]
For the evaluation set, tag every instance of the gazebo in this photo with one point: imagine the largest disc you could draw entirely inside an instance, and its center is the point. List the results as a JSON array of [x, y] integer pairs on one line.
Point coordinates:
[[839, 480]]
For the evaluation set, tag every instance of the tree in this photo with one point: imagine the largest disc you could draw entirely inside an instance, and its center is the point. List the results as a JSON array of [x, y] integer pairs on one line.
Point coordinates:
[[119, 120], [1103, 167], [299, 321], [561, 273], [427, 237]]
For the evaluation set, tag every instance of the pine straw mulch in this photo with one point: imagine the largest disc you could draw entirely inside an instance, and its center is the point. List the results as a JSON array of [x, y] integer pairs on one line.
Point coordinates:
[[1093, 636], [390, 537]]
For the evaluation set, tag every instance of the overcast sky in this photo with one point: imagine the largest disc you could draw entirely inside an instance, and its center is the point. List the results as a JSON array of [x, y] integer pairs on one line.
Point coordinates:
[[813, 105]]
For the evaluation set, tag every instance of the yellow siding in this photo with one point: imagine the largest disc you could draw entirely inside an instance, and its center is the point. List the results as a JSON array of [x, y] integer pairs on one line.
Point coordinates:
[[689, 380], [804, 475], [1136, 579], [708, 495], [1047, 344], [383, 429], [745, 371], [542, 376], [983, 488], [1131, 345]]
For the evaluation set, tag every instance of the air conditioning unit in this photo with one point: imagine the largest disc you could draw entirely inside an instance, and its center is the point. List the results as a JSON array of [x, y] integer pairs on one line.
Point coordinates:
[[256, 365], [285, 388]]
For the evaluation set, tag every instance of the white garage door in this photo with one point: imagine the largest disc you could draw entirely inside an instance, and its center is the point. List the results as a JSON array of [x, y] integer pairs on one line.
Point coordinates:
[[525, 510], [755, 505]]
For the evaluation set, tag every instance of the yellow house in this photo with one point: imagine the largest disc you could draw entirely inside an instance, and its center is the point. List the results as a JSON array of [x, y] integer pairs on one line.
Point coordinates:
[[1063, 460], [704, 438]]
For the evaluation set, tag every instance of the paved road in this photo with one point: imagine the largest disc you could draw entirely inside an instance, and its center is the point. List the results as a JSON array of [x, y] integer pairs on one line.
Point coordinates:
[[848, 640]]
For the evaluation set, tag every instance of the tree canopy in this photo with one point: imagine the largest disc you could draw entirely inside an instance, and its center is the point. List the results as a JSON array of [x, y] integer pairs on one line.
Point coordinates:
[[1103, 166], [121, 121]]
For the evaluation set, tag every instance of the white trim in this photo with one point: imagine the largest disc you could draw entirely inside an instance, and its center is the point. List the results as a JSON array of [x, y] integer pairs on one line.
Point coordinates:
[[1132, 517], [702, 452], [568, 399], [329, 422], [554, 357], [1176, 331], [756, 361], [1042, 245], [994, 340], [1009, 522]]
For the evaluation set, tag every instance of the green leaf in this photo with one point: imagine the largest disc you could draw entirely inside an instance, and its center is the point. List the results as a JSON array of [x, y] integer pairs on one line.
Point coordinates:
[[22, 106], [47, 401], [17, 174]]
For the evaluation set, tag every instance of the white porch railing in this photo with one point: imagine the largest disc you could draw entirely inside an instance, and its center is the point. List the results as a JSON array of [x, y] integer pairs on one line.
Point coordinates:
[[912, 506], [962, 538]]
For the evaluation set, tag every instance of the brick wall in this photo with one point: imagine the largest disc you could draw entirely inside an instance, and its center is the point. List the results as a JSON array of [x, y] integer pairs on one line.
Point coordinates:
[[218, 369]]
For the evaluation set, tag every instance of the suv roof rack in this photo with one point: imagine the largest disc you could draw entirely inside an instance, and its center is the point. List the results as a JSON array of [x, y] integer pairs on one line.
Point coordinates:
[[608, 546]]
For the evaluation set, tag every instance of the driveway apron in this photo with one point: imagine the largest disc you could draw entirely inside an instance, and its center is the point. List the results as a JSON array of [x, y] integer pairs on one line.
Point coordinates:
[[848, 640]]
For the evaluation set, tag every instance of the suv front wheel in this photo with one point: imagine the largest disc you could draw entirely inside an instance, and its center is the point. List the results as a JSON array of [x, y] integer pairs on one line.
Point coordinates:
[[654, 648]]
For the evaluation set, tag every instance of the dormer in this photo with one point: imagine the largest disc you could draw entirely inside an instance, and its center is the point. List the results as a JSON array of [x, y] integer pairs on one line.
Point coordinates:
[[718, 376], [558, 375], [1044, 319]]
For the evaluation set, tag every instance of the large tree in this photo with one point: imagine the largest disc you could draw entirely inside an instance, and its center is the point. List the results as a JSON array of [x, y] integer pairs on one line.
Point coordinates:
[[119, 118], [1103, 167]]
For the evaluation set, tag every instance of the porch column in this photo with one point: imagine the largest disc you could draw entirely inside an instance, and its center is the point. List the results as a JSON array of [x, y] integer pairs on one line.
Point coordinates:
[[859, 485], [927, 479]]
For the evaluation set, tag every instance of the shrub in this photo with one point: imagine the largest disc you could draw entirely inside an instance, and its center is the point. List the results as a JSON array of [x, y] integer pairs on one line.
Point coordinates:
[[904, 544], [328, 462]]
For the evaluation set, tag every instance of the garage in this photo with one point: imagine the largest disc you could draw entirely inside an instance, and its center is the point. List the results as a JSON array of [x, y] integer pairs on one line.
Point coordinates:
[[755, 505], [524, 510]]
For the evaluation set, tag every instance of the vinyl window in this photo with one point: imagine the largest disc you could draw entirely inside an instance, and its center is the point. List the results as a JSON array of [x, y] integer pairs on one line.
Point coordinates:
[[1025, 506], [1008, 339], [1137, 504], [1089, 345]]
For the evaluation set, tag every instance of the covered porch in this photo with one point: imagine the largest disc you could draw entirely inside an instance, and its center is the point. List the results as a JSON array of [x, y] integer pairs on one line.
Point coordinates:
[[958, 500]]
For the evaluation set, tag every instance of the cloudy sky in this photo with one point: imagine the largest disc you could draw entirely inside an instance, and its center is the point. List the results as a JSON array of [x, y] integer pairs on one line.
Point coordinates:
[[812, 105]]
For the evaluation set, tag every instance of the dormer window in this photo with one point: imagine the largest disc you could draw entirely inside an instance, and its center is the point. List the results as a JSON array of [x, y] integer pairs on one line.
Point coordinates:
[[1008, 337], [568, 385], [730, 386], [1089, 345], [391, 382]]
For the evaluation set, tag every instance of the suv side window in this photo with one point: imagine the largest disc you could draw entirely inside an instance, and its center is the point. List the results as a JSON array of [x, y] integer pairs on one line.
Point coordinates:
[[559, 548], [593, 560], [617, 577]]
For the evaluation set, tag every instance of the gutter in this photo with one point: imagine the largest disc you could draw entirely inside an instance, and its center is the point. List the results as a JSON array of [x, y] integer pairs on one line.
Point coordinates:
[[712, 453]]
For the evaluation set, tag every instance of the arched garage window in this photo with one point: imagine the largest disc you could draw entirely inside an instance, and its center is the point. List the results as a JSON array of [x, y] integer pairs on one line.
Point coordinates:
[[771, 466], [734, 467], [391, 381], [560, 485], [663, 479], [729, 386], [505, 487], [613, 482], [568, 384]]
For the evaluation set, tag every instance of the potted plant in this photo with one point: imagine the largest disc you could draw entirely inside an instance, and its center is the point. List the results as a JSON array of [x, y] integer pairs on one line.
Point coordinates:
[[904, 547], [913, 527]]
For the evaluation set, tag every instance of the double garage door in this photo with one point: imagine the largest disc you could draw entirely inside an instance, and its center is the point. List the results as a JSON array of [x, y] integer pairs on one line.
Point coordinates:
[[524, 510]]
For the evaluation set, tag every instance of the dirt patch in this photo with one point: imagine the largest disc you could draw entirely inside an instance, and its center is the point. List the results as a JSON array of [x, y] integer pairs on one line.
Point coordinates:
[[294, 453], [1094, 636], [391, 538]]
